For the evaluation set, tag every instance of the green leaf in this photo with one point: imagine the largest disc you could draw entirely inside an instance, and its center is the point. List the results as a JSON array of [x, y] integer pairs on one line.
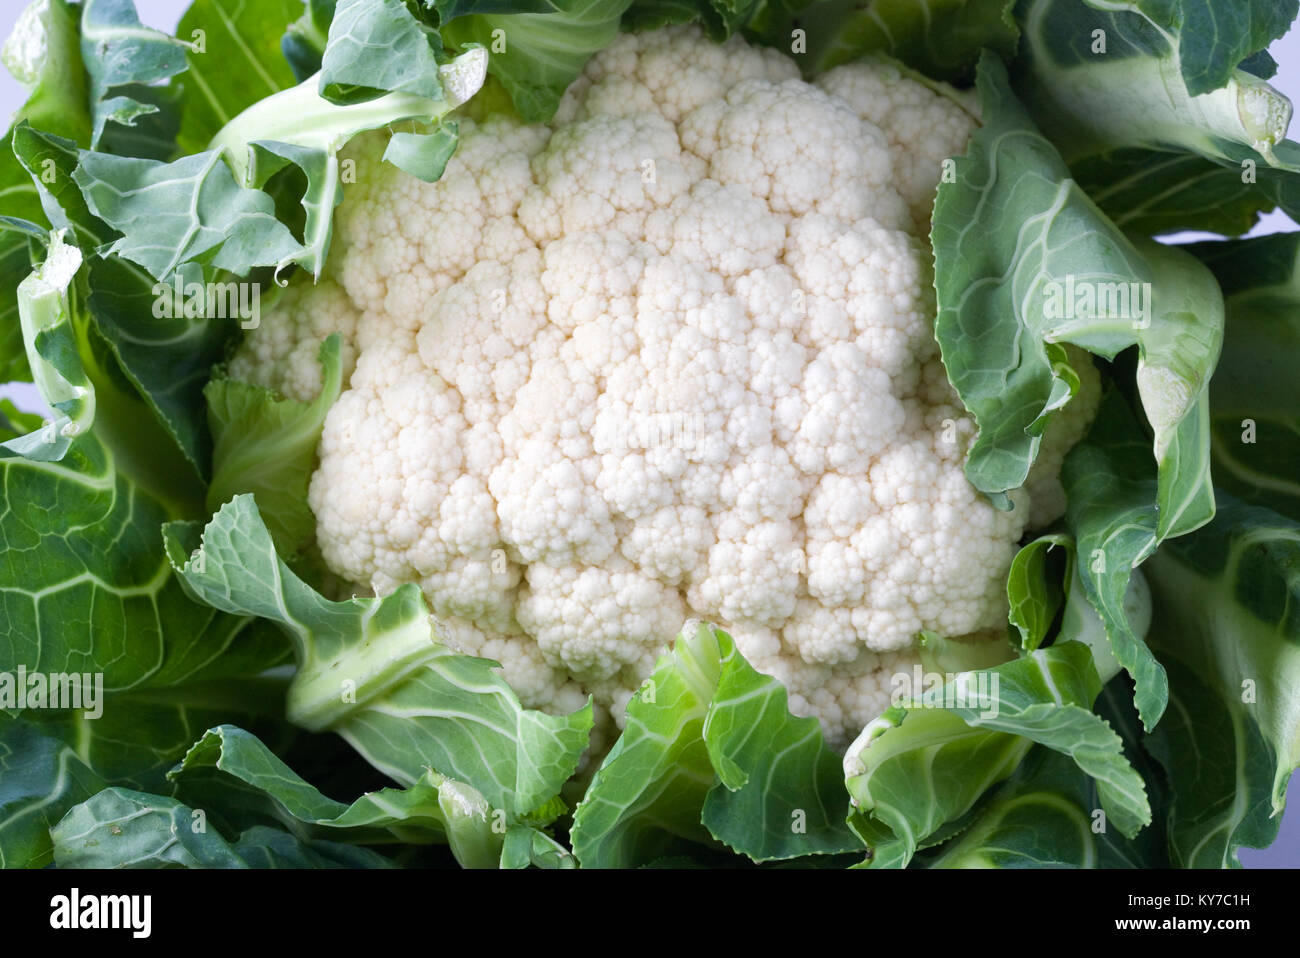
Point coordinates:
[[120, 52], [710, 751], [190, 210], [529, 846], [721, 18], [88, 364], [153, 134], [220, 216], [1163, 136], [15, 422], [15, 262], [646, 798], [1034, 593], [40, 779], [1260, 64], [122, 828], [266, 445], [41, 53], [83, 578], [377, 47], [424, 156], [1134, 93], [1039, 818], [940, 654], [458, 714], [1113, 513], [1214, 38], [52, 759], [272, 818], [101, 595], [239, 64], [911, 772], [324, 191], [165, 356], [373, 671], [538, 48], [940, 38], [166, 350], [46, 314], [1254, 409], [965, 733], [85, 587], [1045, 815], [1160, 191], [1227, 627], [142, 732], [301, 127], [163, 350], [232, 773], [781, 792], [1025, 262], [303, 43], [50, 161]]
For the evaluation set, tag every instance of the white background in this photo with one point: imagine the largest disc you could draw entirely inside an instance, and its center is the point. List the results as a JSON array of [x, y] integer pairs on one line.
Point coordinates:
[[164, 15]]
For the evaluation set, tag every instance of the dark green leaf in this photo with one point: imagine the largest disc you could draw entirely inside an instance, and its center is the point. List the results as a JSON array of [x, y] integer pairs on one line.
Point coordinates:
[[240, 62], [122, 56]]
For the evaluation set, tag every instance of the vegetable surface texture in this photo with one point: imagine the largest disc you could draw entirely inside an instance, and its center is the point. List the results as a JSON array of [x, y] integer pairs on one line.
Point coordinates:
[[670, 356]]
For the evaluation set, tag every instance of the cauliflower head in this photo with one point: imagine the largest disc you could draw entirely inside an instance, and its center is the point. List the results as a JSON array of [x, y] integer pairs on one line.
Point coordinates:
[[670, 356]]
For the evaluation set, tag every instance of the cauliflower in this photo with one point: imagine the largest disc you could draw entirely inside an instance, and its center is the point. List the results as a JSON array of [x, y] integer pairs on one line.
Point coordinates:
[[671, 356]]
